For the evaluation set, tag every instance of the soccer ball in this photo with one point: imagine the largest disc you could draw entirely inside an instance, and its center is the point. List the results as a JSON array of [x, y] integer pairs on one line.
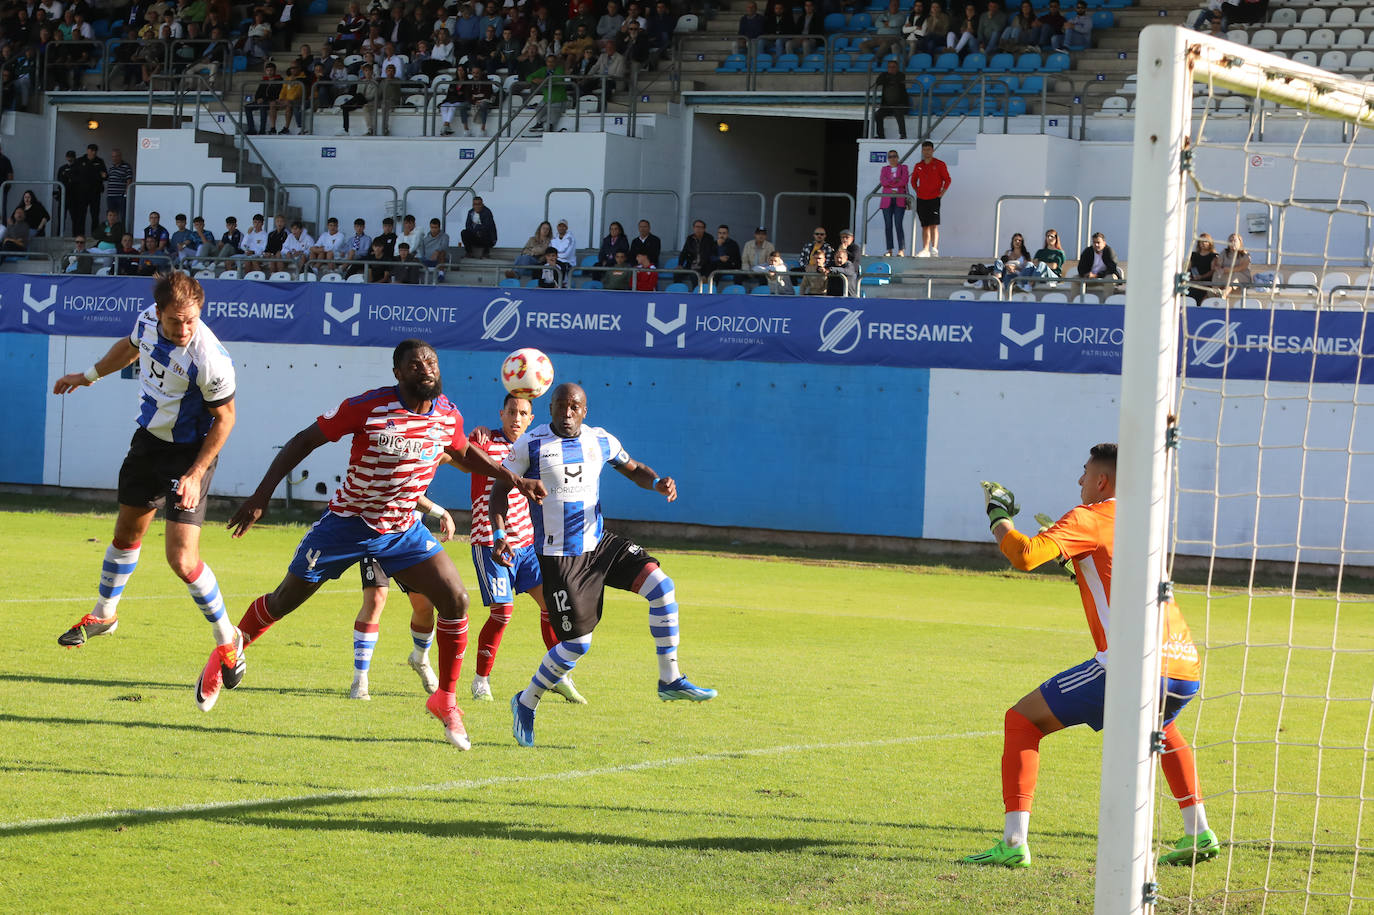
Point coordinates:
[[527, 373]]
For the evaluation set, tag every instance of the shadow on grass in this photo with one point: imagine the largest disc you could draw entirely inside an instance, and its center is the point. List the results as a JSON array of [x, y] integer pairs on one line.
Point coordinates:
[[199, 728], [309, 692]]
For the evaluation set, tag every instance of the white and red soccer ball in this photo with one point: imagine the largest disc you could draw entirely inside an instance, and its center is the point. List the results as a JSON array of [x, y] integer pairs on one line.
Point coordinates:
[[527, 373]]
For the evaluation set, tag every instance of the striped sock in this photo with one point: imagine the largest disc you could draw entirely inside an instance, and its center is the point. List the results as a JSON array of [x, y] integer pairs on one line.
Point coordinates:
[[452, 636], [489, 639], [119, 564], [658, 589], [205, 592], [422, 640], [256, 620], [557, 664], [364, 641]]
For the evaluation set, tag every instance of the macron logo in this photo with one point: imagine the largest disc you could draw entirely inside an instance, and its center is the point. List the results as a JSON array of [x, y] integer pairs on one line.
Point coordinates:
[[665, 328], [341, 315], [40, 305], [1022, 339]]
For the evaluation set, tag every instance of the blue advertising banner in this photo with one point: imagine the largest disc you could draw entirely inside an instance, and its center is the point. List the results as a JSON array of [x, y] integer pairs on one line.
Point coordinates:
[[992, 336]]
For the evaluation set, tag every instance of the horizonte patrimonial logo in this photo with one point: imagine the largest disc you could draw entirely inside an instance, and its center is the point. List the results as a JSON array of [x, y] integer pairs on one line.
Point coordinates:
[[342, 317]]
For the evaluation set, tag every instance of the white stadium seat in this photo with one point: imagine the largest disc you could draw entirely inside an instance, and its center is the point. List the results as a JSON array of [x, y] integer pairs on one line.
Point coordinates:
[[1342, 17], [1239, 36], [1284, 16], [962, 295], [1054, 297], [1114, 104], [1335, 61], [357, 278], [103, 271], [1320, 39], [229, 275], [1115, 299], [1293, 39], [1333, 279], [1264, 39], [991, 295], [1023, 297], [1307, 58], [280, 276], [1312, 17], [1302, 278], [255, 275], [1350, 40], [1087, 298], [1366, 16], [1213, 302], [331, 278], [205, 274]]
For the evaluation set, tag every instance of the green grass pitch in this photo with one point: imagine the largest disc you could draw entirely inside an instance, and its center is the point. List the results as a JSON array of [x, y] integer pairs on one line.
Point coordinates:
[[851, 758]]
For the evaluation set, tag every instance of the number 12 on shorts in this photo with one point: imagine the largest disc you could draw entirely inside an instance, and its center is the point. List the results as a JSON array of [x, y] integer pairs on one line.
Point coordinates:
[[560, 606]]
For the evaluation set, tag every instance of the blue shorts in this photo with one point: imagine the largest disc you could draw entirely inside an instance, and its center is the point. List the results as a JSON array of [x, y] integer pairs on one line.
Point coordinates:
[[334, 543], [1077, 695], [499, 584]]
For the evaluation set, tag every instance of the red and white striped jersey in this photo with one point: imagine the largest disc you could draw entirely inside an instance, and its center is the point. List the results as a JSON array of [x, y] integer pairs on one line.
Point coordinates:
[[395, 453], [519, 528]]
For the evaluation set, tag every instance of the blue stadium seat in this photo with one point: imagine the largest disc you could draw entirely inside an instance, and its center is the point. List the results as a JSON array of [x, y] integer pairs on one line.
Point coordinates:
[[786, 63], [997, 86], [924, 81], [677, 287], [240, 63], [957, 107], [892, 57], [531, 284], [949, 86], [1031, 85], [762, 290], [862, 63], [1001, 63], [1028, 62], [841, 63], [318, 7], [973, 63], [670, 262], [812, 63], [1117, 4], [835, 22], [1016, 106], [860, 22], [763, 62], [509, 282], [947, 62], [590, 284], [733, 289], [919, 63], [735, 63], [1057, 62], [101, 28], [878, 267], [1103, 19]]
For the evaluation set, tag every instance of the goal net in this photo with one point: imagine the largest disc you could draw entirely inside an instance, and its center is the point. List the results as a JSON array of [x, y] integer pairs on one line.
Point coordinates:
[[1246, 483]]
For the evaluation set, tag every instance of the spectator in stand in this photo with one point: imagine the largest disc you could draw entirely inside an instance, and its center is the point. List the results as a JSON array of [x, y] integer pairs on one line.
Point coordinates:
[[849, 246], [551, 275], [991, 24], [646, 277], [541, 28], [817, 272], [554, 91], [61, 200], [757, 252], [581, 41], [392, 58], [1233, 265], [661, 24], [387, 237], [183, 242], [81, 262], [409, 234], [466, 30], [244, 245], [608, 26], [533, 252], [1014, 261], [565, 245], [632, 47], [1049, 33], [296, 248], [433, 250], [479, 230], [289, 101], [155, 234], [698, 250], [1098, 260], [287, 25], [750, 28], [592, 68], [926, 28], [152, 261], [203, 238], [443, 53], [1021, 28], [727, 256], [892, 99], [1243, 12], [779, 283], [530, 61], [492, 18], [508, 51], [306, 59], [930, 180], [16, 238], [894, 178], [620, 276], [843, 278], [331, 244], [647, 242], [963, 36], [119, 176], [817, 243], [35, 214], [364, 97], [615, 241], [258, 40], [263, 98], [376, 270], [127, 261], [275, 239], [88, 183], [478, 95], [887, 31], [1078, 29], [407, 268], [110, 233], [812, 25], [1048, 262], [212, 56], [453, 101], [1201, 269]]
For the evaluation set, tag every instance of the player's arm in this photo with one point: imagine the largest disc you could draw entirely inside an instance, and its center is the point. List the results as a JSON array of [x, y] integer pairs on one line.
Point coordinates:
[[188, 487], [477, 461], [645, 477], [446, 526], [1024, 553], [497, 506], [122, 354], [295, 451]]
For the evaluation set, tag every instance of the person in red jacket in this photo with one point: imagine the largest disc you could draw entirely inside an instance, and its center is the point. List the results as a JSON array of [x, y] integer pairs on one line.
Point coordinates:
[[930, 180]]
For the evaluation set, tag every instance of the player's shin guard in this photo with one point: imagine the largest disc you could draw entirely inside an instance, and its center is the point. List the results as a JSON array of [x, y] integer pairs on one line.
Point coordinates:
[[451, 637], [557, 664], [1020, 768], [657, 589], [364, 642], [256, 621], [1180, 769], [489, 640], [120, 562], [204, 590]]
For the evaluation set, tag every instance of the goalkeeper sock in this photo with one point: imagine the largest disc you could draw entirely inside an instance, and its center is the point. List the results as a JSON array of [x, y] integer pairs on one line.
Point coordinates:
[[1194, 820], [1180, 769], [1020, 768], [1017, 828]]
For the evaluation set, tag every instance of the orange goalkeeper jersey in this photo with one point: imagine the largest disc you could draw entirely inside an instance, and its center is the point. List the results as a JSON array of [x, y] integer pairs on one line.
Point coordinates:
[[1086, 535]]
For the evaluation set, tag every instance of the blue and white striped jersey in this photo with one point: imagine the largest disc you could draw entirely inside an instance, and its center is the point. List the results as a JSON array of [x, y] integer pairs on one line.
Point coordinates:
[[568, 522], [177, 383]]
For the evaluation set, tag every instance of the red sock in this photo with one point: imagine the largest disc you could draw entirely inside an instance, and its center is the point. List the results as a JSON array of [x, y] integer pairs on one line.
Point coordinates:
[[490, 638], [1179, 767], [1020, 760], [451, 638], [546, 629], [256, 620]]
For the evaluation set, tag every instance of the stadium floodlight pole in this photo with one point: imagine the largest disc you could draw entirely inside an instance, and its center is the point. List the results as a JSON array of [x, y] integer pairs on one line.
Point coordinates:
[[1125, 869]]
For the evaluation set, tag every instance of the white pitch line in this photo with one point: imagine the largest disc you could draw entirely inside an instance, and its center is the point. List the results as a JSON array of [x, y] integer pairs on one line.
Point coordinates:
[[470, 783]]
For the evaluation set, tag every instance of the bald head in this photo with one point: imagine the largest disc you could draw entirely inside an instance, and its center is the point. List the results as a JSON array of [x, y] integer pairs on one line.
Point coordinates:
[[567, 409]]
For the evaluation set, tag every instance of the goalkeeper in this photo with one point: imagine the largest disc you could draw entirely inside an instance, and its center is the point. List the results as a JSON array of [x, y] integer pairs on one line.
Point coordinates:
[[1084, 536]]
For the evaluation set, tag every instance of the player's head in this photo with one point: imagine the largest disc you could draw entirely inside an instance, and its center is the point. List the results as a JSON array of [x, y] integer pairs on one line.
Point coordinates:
[[567, 409], [516, 414], [179, 299], [416, 367], [1098, 481]]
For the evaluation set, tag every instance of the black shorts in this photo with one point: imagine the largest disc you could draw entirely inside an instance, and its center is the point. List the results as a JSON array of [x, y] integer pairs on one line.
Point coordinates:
[[374, 577], [152, 466], [575, 586], [928, 211]]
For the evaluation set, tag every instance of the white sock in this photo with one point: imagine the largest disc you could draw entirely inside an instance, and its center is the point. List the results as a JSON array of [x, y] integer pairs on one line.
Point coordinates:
[[479, 679], [1194, 820], [1017, 827], [205, 591]]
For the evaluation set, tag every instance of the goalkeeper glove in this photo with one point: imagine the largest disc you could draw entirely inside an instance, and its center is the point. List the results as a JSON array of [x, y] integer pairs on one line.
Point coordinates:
[[1046, 522], [999, 502]]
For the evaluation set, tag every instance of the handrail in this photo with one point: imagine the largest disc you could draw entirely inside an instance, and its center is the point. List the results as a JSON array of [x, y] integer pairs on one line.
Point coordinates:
[[130, 211], [200, 200], [1338, 201], [763, 204], [443, 201], [319, 200], [33, 256], [696, 278], [1043, 198], [606, 195], [591, 217], [426, 275], [329, 193], [75, 68], [910, 199]]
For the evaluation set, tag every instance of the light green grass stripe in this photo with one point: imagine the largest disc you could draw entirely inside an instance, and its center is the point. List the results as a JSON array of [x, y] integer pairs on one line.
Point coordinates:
[[96, 819]]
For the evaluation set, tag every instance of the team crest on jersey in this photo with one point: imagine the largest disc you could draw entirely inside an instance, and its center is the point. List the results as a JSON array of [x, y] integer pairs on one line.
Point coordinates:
[[390, 424]]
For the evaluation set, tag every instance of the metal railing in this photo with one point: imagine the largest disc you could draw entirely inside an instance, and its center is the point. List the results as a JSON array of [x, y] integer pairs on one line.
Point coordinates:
[[809, 194], [445, 190], [690, 278], [424, 276], [1043, 198], [200, 199], [130, 211], [763, 203], [591, 197], [631, 192], [329, 193]]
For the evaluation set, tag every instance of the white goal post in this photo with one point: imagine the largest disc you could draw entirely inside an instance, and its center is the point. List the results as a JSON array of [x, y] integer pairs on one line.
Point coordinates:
[[1171, 61]]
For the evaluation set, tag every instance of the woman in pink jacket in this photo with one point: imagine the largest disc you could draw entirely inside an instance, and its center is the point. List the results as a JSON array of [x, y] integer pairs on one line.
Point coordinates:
[[894, 180]]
